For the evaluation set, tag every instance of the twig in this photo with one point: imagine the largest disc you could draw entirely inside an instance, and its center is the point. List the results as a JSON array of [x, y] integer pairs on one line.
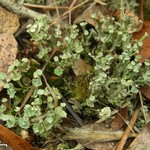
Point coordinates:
[[67, 12], [39, 118], [99, 2], [141, 101], [56, 7], [128, 130], [44, 6], [51, 91], [74, 1], [79, 19], [19, 9], [27, 96], [32, 88]]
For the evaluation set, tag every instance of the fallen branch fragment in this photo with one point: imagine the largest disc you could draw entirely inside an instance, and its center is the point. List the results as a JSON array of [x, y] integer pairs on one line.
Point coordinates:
[[19, 9], [44, 6], [128, 130], [13, 140]]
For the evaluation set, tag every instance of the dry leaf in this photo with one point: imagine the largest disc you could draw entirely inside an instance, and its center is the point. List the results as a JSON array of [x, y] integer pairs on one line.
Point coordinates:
[[81, 67], [8, 52], [142, 141], [9, 22], [146, 91], [145, 51], [120, 118]]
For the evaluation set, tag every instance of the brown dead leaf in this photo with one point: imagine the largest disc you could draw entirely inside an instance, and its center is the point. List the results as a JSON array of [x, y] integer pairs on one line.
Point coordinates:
[[81, 67], [146, 91], [120, 118], [8, 52], [145, 51], [142, 141], [9, 22], [13, 140]]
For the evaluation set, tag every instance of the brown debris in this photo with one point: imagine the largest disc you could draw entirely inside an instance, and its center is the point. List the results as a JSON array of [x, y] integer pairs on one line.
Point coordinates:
[[8, 52]]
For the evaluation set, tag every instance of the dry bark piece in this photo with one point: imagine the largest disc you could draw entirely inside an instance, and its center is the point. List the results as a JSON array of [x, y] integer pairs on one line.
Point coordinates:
[[8, 52], [13, 140], [9, 22]]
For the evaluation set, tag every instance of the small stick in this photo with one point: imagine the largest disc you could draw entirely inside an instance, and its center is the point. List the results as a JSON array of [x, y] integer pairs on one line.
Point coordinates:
[[99, 2], [27, 96], [56, 7], [39, 118], [51, 91], [128, 130], [44, 6], [67, 12], [141, 101], [74, 1], [32, 88]]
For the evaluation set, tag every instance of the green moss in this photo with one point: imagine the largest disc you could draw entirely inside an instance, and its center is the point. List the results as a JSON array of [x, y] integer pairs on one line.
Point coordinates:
[[79, 89]]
